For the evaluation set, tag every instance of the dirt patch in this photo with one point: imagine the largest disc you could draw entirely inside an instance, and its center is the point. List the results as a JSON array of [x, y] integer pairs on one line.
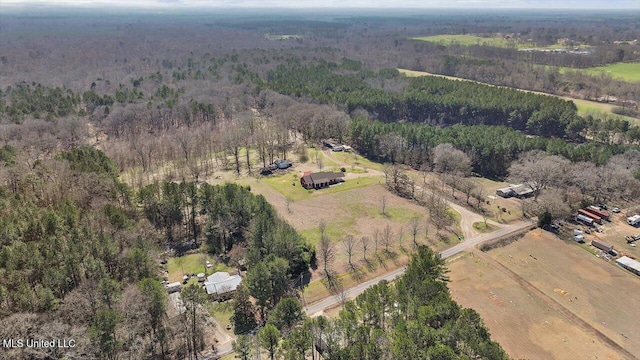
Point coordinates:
[[596, 295], [526, 326]]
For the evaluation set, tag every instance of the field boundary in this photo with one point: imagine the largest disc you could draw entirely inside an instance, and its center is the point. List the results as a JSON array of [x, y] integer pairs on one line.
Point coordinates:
[[555, 305]]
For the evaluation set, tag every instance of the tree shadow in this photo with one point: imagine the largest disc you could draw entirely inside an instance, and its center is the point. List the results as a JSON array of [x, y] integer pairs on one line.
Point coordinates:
[[370, 265], [356, 274]]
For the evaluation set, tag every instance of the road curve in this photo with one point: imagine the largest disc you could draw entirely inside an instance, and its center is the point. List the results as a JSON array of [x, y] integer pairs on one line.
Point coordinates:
[[351, 293]]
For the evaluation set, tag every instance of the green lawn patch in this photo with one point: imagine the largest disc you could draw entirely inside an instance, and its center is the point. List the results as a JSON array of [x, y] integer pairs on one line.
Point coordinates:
[[192, 264], [482, 227], [355, 161], [466, 40], [335, 231], [221, 311], [622, 71]]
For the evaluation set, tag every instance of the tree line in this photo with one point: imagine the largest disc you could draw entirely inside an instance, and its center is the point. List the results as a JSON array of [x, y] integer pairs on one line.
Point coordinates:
[[491, 148], [413, 318], [439, 101]]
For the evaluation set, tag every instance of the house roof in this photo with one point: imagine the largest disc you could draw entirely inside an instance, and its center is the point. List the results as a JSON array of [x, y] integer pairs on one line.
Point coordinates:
[[222, 283], [326, 175], [321, 177]]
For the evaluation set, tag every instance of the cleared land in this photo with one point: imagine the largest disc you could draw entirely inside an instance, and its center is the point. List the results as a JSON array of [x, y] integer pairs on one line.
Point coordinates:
[[466, 40], [192, 264], [585, 107], [543, 298], [621, 71]]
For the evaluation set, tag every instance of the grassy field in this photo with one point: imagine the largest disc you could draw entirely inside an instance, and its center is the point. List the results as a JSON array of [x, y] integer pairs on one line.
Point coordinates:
[[621, 71], [283, 184], [355, 161], [192, 264], [221, 312], [466, 40]]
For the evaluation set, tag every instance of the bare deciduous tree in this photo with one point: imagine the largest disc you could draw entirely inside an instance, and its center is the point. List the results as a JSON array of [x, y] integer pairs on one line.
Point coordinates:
[[327, 255], [364, 244], [349, 245], [414, 225], [539, 170], [387, 235]]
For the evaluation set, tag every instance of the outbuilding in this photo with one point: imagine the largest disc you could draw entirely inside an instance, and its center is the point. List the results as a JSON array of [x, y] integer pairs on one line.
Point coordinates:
[[173, 287], [629, 264]]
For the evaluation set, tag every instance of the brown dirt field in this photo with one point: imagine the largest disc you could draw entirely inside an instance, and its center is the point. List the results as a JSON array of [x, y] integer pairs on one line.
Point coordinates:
[[597, 297], [526, 326]]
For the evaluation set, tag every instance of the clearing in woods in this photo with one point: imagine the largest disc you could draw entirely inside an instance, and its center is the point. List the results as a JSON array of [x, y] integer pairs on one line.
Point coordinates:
[[543, 298], [622, 71], [497, 41]]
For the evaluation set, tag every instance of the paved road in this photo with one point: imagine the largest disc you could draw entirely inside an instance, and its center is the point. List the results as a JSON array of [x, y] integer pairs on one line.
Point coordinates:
[[351, 293], [390, 276]]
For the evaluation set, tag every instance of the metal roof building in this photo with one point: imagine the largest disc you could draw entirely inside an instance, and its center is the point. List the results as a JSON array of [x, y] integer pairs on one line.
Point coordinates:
[[221, 283], [629, 264]]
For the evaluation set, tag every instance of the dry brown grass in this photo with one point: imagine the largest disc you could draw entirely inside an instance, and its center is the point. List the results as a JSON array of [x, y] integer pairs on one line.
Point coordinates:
[[563, 282]]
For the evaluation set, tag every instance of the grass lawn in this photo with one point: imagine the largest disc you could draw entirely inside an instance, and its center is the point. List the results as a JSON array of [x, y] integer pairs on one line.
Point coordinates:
[[481, 227], [221, 311], [336, 231], [315, 154], [621, 71], [192, 264], [356, 161], [283, 185]]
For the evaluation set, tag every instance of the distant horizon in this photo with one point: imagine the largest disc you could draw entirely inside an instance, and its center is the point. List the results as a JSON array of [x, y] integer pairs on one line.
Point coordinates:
[[372, 5]]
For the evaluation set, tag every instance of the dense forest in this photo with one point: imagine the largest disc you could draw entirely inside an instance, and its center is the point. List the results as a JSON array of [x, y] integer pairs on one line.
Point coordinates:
[[79, 246]]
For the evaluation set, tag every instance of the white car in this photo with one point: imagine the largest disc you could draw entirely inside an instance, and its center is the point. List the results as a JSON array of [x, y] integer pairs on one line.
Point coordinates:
[[616, 210]]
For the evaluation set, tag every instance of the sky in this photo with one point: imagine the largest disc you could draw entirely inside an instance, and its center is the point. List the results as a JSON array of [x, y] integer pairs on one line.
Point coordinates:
[[477, 4]]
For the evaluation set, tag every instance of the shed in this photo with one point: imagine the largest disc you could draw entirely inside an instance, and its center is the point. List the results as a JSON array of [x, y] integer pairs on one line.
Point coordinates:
[[505, 192], [282, 164], [629, 264], [173, 287]]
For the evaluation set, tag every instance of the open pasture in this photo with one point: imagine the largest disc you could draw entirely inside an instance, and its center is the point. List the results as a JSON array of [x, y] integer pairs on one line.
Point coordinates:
[[559, 298]]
